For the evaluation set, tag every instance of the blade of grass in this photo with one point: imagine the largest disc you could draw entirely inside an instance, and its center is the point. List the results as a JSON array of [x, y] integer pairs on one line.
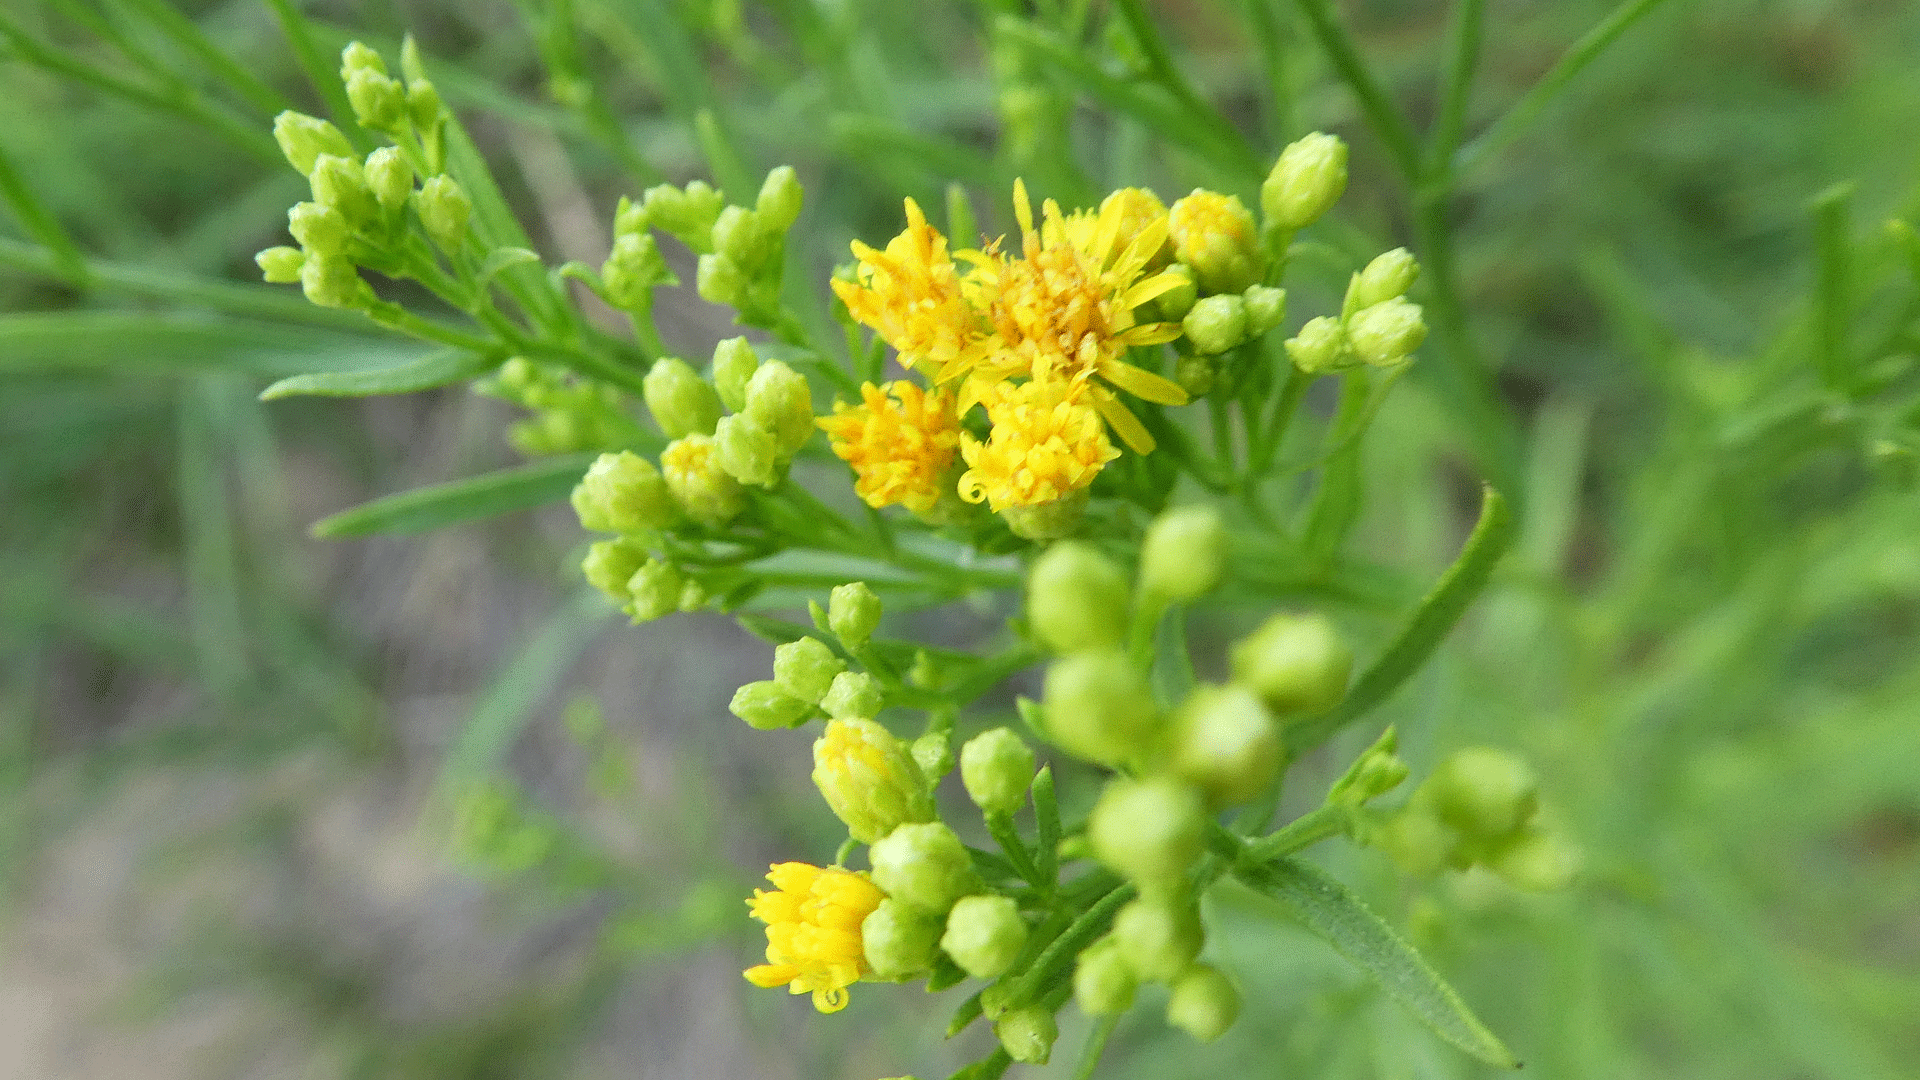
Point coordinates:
[[429, 372], [321, 69], [128, 343], [220, 637], [1456, 84], [188, 35], [440, 505], [64, 257], [1832, 213]]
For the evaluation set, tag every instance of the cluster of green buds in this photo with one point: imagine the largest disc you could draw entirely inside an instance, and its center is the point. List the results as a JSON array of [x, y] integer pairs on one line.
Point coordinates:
[[365, 209], [811, 678], [1377, 326], [742, 249], [1481, 807], [625, 494], [570, 414]]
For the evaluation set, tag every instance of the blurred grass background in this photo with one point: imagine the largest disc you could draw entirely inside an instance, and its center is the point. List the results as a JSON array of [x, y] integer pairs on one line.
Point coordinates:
[[226, 750]]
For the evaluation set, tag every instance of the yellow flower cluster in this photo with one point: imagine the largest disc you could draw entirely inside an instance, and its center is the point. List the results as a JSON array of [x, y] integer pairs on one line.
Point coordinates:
[[900, 440], [813, 919]]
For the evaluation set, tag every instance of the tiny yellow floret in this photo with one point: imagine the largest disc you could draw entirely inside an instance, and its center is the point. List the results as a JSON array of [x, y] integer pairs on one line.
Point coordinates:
[[911, 295], [813, 919], [900, 440], [1046, 444]]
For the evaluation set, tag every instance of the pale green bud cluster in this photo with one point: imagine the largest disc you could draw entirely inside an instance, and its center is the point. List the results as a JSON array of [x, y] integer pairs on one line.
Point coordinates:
[[806, 668], [1480, 807], [680, 401], [996, 766], [1226, 321], [1214, 235], [742, 249], [570, 414], [754, 445], [624, 493], [853, 613], [1377, 326]]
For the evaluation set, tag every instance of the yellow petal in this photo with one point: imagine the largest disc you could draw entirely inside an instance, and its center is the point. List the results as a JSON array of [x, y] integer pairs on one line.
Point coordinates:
[[1142, 383], [768, 976], [1150, 333], [1124, 424]]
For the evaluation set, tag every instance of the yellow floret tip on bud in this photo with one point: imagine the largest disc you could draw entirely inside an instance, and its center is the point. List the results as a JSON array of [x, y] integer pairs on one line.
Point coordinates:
[[1307, 179], [869, 779], [813, 917], [1136, 211], [984, 935], [996, 766], [1215, 235], [704, 490]]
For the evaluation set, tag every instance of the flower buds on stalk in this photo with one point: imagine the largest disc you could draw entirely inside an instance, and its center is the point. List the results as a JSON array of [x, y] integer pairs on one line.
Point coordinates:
[[1103, 981], [1390, 274], [1216, 323], [1321, 347], [779, 399], [610, 564], [320, 229], [806, 668], [331, 281], [1214, 234], [764, 705], [996, 766], [869, 779], [445, 211], [304, 138], [1375, 772], [853, 613], [923, 866], [1076, 599], [1295, 663], [1203, 1003], [934, 754], [379, 103], [854, 693], [1307, 179], [623, 493], [748, 452], [1384, 333], [1266, 309], [1182, 554], [632, 269], [1099, 707], [687, 214], [900, 942], [654, 590], [341, 183], [984, 935], [779, 201], [1149, 831], [1027, 1033], [704, 490], [1158, 936], [280, 265], [390, 177], [681, 402], [733, 366]]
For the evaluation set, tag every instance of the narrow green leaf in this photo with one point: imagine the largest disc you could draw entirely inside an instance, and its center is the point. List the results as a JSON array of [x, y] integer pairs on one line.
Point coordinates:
[[1832, 211], [133, 343], [322, 70], [485, 495], [501, 258], [438, 369], [1336, 504], [41, 222], [1336, 916], [189, 36], [1423, 633]]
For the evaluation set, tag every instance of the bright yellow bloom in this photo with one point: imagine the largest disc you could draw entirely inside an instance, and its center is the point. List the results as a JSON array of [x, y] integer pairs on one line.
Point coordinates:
[[1046, 445], [813, 919], [1064, 309], [911, 295], [901, 446]]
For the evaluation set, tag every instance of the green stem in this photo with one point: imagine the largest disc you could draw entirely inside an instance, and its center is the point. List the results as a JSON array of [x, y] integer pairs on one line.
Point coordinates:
[[1299, 834], [1090, 924], [1465, 36], [1382, 115], [1000, 826]]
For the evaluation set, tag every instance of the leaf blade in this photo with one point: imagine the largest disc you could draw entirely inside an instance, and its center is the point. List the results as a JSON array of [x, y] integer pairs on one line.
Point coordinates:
[[439, 505], [427, 373]]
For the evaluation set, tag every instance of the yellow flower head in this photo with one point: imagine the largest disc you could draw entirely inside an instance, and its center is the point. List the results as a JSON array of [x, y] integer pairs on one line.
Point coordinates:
[[1063, 310], [1138, 209], [1215, 234], [900, 441], [813, 919], [1045, 445], [911, 295], [698, 483]]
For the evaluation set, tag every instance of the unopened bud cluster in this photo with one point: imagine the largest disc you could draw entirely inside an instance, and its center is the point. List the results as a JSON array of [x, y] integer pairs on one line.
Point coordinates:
[[1377, 326], [742, 249], [1480, 807]]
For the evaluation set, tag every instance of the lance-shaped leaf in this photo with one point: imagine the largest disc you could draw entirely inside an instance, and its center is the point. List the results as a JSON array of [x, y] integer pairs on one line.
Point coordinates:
[[480, 496], [435, 370]]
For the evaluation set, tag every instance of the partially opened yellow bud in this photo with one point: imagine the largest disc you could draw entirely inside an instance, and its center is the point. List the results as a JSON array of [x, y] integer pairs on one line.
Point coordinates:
[[869, 779]]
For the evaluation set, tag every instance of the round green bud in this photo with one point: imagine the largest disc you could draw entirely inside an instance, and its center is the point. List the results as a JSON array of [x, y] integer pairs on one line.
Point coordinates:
[[1226, 743], [934, 754], [655, 590], [923, 866], [854, 693], [1307, 179], [1216, 324], [1389, 275], [360, 57], [779, 398], [1387, 331], [1103, 981], [748, 452], [900, 942], [1076, 598], [280, 265], [1416, 841], [1148, 831], [740, 236], [1174, 304], [623, 493], [632, 269], [629, 218], [869, 779], [1196, 374], [444, 210], [1203, 1003], [1214, 234], [304, 138], [1296, 663], [719, 280], [765, 706], [984, 935], [390, 177], [780, 198], [1027, 1033], [685, 214], [853, 613], [423, 105], [693, 596], [379, 102], [805, 668], [331, 281], [610, 564], [319, 229], [1320, 347], [1266, 309], [996, 766], [1158, 937], [1099, 707], [1537, 860], [733, 366], [1183, 553], [1484, 792], [342, 184], [681, 402]]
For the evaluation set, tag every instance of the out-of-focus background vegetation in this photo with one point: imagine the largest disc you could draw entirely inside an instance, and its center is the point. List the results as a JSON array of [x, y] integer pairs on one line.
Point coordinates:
[[409, 808]]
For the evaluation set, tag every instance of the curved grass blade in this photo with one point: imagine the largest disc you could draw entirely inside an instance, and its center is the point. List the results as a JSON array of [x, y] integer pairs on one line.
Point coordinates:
[[480, 496], [1336, 916], [427, 373]]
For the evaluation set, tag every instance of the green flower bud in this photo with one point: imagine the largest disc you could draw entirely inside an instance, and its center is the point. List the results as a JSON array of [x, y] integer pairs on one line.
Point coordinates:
[[702, 487], [1027, 1034], [390, 177], [1266, 309], [1320, 347], [304, 138], [1214, 234], [747, 451], [780, 198], [1537, 861], [984, 935], [996, 766], [629, 218], [765, 706], [805, 668], [1148, 831], [933, 752], [740, 235], [719, 280], [378, 101], [1305, 182], [1195, 374], [923, 866], [680, 401], [1076, 599], [410, 63], [655, 590], [424, 107], [1174, 304], [280, 265], [342, 184], [693, 596], [631, 271], [898, 940], [779, 398], [853, 613], [1226, 743], [1103, 981], [854, 694], [445, 210], [1216, 324], [331, 281], [996, 999], [1054, 520], [1485, 793], [610, 564], [623, 493], [359, 57], [1158, 937], [319, 229], [1387, 331], [686, 214], [1375, 772], [1099, 707], [1203, 1004], [1389, 275], [1296, 663], [733, 366], [868, 778], [1182, 554], [1416, 841]]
